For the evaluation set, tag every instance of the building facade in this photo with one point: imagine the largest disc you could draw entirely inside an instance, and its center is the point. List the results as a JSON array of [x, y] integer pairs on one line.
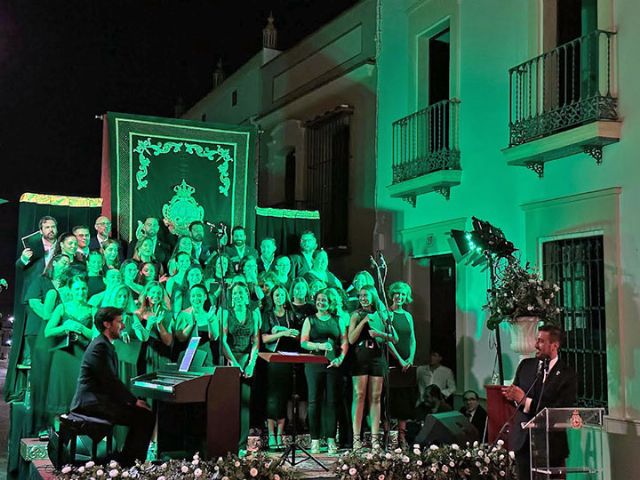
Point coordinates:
[[521, 113]]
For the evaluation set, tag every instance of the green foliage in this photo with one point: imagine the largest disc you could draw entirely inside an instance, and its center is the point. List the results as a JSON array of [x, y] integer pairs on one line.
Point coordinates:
[[520, 291], [434, 463]]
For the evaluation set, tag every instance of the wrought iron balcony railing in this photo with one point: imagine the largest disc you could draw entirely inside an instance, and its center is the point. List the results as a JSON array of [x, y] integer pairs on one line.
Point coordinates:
[[563, 88], [426, 141]]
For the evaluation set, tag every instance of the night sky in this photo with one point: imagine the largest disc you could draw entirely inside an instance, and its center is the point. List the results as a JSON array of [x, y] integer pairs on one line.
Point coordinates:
[[63, 63]]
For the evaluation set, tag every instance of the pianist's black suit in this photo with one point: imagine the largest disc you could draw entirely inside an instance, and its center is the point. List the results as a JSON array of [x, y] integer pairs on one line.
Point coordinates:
[[100, 393]]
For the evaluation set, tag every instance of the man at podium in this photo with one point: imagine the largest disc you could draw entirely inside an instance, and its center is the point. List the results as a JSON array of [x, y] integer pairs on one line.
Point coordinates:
[[544, 381]]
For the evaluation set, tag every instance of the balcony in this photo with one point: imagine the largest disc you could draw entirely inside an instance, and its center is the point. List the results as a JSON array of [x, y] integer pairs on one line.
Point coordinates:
[[562, 103], [426, 156]]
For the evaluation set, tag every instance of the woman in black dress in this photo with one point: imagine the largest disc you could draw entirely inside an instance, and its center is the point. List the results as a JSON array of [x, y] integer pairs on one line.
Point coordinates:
[[198, 321], [281, 333], [402, 399], [367, 334], [322, 333], [240, 343]]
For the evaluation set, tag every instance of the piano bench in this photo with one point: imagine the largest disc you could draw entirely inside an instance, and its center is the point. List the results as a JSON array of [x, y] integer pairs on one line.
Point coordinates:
[[73, 425]]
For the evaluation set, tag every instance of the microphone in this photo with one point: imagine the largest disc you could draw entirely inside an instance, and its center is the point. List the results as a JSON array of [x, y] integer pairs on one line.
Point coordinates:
[[383, 263], [540, 367], [212, 226]]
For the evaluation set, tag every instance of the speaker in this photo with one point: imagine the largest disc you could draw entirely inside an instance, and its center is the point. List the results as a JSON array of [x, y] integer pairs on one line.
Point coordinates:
[[446, 428]]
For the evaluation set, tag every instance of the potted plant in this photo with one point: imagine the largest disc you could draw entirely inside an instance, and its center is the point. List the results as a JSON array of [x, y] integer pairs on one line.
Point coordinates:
[[525, 300]]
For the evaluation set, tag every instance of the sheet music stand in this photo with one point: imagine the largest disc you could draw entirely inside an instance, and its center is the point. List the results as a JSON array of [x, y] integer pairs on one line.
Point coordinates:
[[293, 358]]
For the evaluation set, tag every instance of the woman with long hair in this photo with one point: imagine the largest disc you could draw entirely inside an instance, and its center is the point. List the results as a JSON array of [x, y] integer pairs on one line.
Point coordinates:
[[281, 333], [70, 326], [367, 333], [360, 279], [144, 253], [322, 333], [402, 399], [184, 244], [111, 252], [240, 344], [129, 274], [155, 328], [300, 299], [199, 321]]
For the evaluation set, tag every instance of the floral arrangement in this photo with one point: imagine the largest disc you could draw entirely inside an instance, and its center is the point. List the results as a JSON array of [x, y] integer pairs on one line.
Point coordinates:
[[256, 466], [521, 291], [434, 463]]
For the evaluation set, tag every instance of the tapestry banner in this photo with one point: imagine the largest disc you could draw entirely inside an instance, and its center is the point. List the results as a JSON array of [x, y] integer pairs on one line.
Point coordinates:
[[179, 171]]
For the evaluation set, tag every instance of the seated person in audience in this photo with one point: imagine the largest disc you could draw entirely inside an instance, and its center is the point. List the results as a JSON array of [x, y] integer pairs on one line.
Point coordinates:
[[267, 254], [111, 252], [475, 413], [100, 393], [320, 270], [432, 401], [183, 245], [239, 250], [437, 374]]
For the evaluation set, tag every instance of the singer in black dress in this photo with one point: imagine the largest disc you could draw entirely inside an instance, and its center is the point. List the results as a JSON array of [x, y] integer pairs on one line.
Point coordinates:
[[368, 332]]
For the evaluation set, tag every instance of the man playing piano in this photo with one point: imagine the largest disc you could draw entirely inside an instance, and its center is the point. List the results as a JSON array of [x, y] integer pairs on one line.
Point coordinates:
[[100, 393]]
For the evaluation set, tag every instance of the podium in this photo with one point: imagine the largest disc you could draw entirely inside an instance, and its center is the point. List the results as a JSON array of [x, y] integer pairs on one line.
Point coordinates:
[[499, 412], [293, 358], [548, 432]]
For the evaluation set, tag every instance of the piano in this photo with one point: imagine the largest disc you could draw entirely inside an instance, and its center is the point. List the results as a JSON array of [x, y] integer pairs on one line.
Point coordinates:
[[198, 410]]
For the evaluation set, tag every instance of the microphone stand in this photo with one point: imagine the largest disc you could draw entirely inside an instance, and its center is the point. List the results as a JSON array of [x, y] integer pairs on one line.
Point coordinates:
[[388, 331]]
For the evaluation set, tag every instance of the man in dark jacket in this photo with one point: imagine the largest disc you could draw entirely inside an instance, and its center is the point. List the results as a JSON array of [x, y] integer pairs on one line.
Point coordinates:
[[541, 382], [475, 413], [100, 393]]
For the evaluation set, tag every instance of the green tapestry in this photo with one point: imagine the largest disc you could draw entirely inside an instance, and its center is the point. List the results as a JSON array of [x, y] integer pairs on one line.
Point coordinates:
[[179, 171]]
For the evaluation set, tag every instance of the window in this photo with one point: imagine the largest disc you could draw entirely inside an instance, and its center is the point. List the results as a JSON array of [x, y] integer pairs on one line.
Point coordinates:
[[327, 150], [577, 266], [234, 98]]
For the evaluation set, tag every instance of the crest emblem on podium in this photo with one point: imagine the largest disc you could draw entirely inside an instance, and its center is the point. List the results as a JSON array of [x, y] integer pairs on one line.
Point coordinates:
[[182, 209], [576, 420]]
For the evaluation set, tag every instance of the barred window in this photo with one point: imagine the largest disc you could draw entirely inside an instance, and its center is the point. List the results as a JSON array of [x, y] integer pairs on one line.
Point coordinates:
[[327, 153], [577, 266]]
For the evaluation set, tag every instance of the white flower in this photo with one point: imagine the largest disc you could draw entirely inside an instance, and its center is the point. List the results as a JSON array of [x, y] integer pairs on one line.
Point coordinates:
[[352, 471], [368, 456], [416, 452], [455, 446], [113, 464], [184, 469], [445, 469], [397, 450], [487, 460], [195, 462], [196, 456], [387, 456], [512, 455], [276, 477], [163, 466], [405, 459], [237, 463], [419, 463], [416, 445], [113, 473], [345, 467], [434, 469], [197, 472], [408, 476], [223, 478], [80, 469], [480, 453], [467, 471], [161, 477], [468, 454], [381, 476], [475, 444], [451, 464], [253, 472], [125, 474], [100, 473], [216, 468], [89, 464], [66, 469], [500, 442], [433, 447], [502, 473], [501, 457], [478, 464]]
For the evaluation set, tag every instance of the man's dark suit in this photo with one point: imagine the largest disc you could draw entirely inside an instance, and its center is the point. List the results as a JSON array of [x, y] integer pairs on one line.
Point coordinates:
[[479, 420], [299, 265], [100, 393], [231, 251], [560, 390]]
